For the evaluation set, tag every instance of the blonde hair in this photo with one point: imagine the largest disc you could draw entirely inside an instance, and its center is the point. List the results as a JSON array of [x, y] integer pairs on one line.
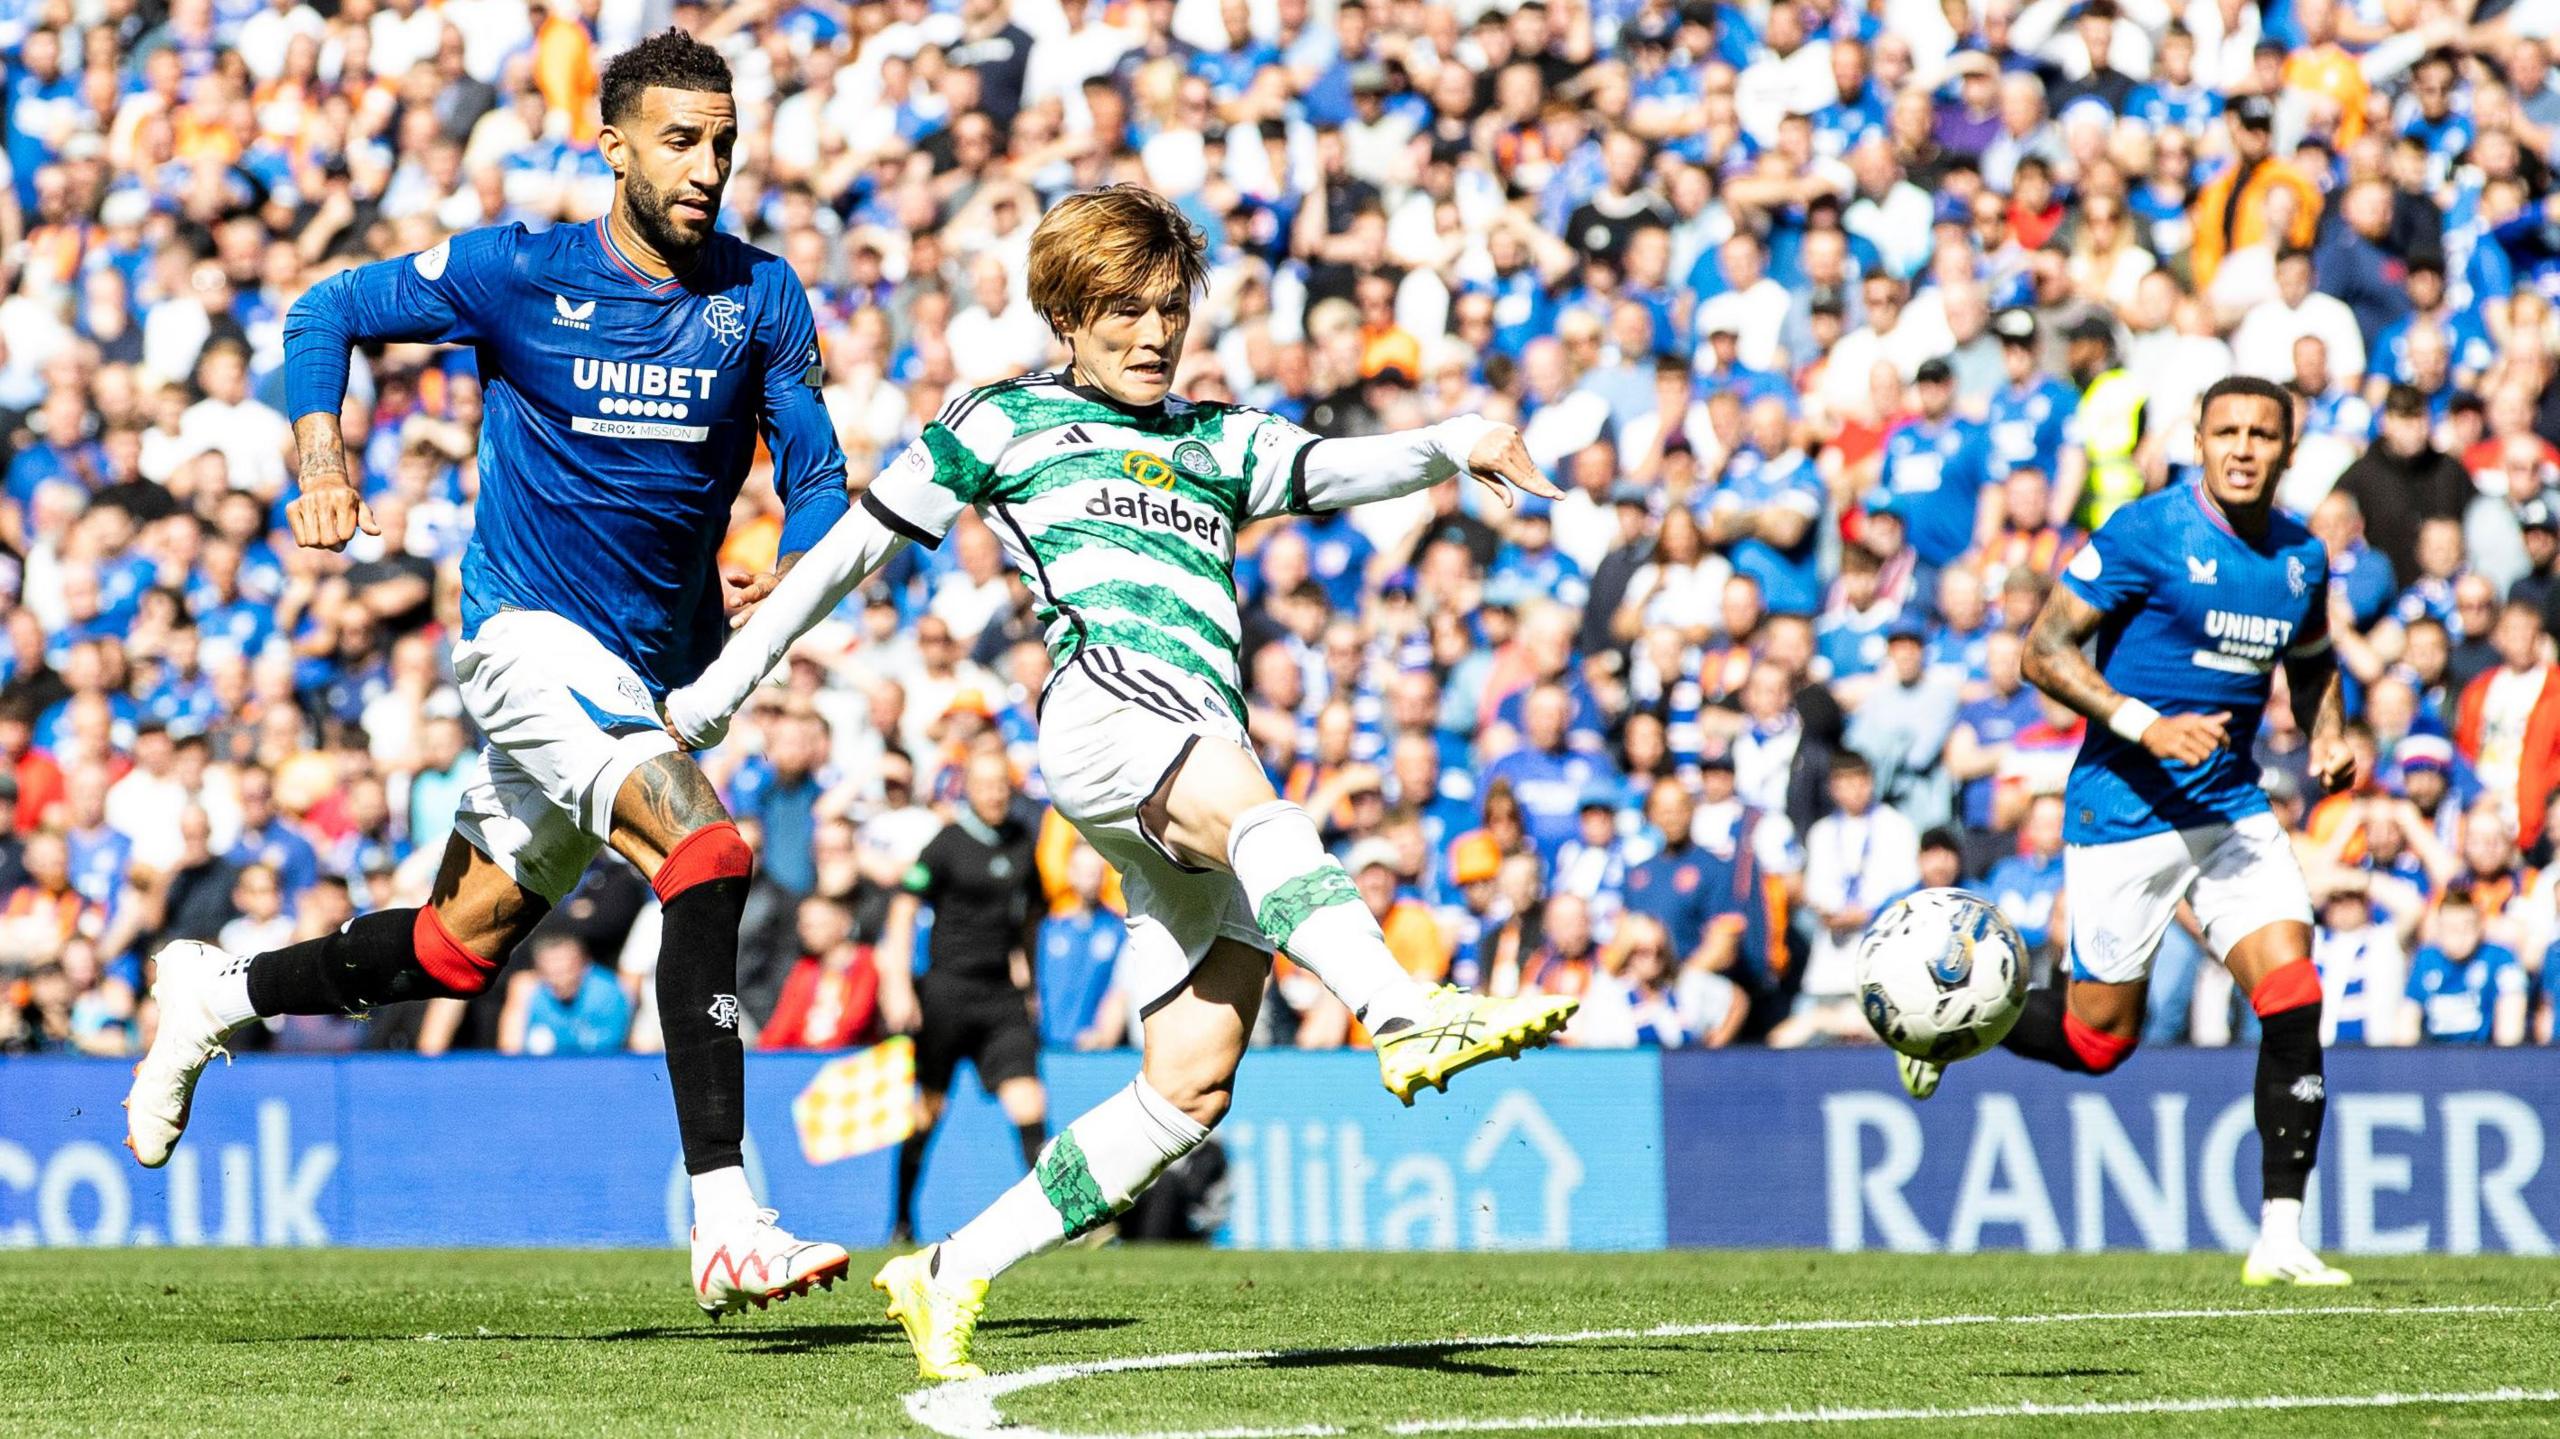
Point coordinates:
[[1095, 249], [1635, 929]]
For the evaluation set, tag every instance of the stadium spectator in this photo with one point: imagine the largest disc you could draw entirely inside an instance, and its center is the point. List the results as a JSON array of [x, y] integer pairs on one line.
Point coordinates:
[[1858, 858], [1842, 309], [2467, 990], [562, 1004], [831, 1000], [1079, 955], [2363, 975], [1643, 997]]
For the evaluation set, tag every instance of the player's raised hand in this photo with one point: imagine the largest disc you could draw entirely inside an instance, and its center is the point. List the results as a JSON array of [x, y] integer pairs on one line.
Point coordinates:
[[327, 514], [742, 591], [694, 719], [2333, 764], [1501, 463], [2188, 739]]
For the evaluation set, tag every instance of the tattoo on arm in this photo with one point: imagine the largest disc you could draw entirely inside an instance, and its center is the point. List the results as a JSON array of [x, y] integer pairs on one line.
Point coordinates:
[[667, 799], [323, 450], [2055, 663]]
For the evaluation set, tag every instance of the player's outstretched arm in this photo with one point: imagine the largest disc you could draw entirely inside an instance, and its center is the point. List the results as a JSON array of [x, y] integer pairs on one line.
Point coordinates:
[[851, 551], [2057, 665], [1325, 475], [426, 298]]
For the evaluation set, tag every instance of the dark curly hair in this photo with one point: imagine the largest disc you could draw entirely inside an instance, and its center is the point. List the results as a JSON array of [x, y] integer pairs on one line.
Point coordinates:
[[670, 59]]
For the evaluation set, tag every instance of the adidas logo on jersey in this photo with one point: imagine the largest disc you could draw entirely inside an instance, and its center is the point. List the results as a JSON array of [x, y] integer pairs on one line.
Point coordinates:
[[1152, 513], [574, 316]]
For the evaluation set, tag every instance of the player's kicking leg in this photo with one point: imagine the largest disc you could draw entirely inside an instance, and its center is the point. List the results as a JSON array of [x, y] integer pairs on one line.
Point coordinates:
[[1096, 1168], [1220, 805]]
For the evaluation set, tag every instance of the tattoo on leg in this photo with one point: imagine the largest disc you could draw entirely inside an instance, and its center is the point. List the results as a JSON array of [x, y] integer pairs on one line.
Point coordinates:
[[674, 798]]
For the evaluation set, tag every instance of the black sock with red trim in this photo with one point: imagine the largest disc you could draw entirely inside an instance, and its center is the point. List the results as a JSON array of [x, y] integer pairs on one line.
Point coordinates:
[[702, 889], [2292, 1090]]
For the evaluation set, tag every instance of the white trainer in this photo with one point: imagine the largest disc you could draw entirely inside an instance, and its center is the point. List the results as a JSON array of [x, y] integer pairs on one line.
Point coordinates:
[[758, 1263], [164, 1083], [2279, 1262]]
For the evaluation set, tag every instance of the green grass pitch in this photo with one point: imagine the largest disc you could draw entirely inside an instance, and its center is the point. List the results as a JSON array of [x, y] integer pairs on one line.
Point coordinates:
[[347, 1343]]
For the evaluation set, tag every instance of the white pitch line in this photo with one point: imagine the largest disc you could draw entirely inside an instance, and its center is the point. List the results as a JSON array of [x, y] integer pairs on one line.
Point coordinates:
[[2024, 1409], [967, 1409]]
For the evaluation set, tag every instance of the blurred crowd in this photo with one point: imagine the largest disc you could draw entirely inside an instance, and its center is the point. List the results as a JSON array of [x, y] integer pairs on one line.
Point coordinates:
[[1841, 321]]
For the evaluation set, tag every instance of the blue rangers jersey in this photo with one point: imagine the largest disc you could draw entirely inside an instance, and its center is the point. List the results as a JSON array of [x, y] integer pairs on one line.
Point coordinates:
[[2029, 424], [1934, 474], [2197, 619], [622, 415]]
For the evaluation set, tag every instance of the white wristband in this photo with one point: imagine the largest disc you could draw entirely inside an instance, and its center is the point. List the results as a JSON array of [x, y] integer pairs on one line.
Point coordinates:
[[2131, 718]]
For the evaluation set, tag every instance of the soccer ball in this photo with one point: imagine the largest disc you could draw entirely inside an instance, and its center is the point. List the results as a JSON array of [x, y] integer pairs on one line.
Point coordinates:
[[1942, 975]]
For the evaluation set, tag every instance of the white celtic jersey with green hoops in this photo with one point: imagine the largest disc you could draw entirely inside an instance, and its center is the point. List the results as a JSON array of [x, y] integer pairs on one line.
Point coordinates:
[[1123, 521]]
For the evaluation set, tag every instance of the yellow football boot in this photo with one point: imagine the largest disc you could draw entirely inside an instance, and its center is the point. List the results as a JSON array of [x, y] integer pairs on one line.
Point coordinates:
[[940, 1316], [1458, 1031]]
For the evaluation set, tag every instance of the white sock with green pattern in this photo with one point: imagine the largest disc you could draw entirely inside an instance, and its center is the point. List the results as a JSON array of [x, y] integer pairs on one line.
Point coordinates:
[[1309, 907], [1085, 1176]]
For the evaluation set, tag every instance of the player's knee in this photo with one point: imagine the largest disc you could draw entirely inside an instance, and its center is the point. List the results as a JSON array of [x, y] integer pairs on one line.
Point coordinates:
[[2100, 1051], [713, 851], [458, 970], [2114, 1058], [2286, 989], [1202, 1099]]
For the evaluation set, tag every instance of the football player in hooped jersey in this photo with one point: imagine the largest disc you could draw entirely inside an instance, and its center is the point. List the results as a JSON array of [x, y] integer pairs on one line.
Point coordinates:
[[631, 365], [1120, 501], [2194, 595]]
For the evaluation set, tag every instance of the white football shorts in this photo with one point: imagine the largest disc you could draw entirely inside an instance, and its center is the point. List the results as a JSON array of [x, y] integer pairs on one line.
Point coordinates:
[[2124, 896], [567, 723], [1114, 726]]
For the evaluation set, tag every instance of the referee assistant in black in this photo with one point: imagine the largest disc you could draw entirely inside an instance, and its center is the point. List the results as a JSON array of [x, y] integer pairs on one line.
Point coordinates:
[[981, 876]]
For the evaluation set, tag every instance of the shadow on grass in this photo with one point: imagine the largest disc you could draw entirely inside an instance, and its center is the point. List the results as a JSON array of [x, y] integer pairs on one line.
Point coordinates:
[[2065, 1374], [753, 1339], [1422, 1358]]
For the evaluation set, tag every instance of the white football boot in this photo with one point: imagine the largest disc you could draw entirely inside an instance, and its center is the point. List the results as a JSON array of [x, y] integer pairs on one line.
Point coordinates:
[[164, 1083], [2276, 1261], [758, 1262]]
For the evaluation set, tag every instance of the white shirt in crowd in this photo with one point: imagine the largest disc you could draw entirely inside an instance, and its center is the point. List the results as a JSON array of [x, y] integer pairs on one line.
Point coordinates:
[[251, 438], [1853, 862], [1616, 1015], [2263, 345], [989, 346]]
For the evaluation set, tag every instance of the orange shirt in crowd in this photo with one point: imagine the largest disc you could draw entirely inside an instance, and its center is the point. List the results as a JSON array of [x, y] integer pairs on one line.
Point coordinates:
[[1058, 839], [2330, 71], [1418, 944], [753, 546], [1392, 347], [564, 70], [2249, 222]]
